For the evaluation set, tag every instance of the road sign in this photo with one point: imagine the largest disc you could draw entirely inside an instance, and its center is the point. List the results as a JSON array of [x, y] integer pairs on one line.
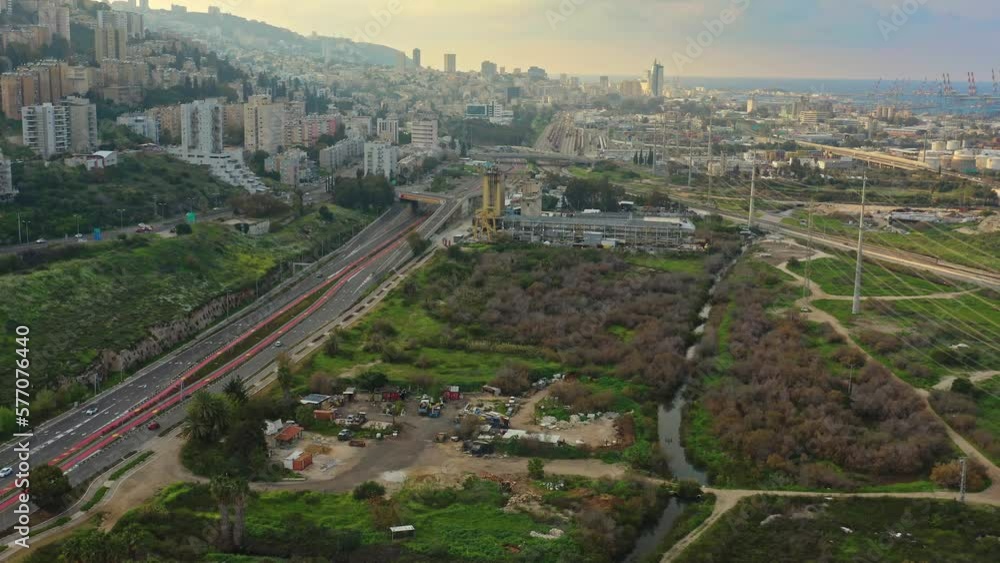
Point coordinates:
[[97, 234], [191, 217]]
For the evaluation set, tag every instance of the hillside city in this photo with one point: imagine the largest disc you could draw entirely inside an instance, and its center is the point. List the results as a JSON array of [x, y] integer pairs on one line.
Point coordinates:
[[279, 296]]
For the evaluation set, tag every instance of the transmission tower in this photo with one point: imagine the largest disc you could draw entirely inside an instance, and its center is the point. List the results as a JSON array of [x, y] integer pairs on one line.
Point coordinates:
[[753, 189], [856, 309]]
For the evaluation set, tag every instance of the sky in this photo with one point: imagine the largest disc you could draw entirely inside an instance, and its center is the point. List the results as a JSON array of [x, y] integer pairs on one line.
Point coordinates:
[[888, 39]]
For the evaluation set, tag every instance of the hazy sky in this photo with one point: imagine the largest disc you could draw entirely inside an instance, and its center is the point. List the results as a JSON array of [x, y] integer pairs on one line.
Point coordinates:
[[781, 38]]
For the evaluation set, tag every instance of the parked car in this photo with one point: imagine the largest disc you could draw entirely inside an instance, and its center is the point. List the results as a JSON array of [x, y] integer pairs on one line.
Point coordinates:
[[153, 425], [6, 471], [345, 435]]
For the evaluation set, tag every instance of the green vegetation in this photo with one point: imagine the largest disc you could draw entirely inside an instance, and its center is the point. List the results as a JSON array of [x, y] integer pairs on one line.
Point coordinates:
[[98, 495], [132, 464], [949, 243], [78, 308], [529, 122], [694, 515], [973, 410], [797, 529], [836, 277], [764, 355], [55, 198], [600, 520], [923, 340]]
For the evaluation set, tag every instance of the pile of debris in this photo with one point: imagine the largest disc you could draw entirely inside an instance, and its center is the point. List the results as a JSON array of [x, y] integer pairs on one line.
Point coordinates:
[[554, 534], [552, 422]]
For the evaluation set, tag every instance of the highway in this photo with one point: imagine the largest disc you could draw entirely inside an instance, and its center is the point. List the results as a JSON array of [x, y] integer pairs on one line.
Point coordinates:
[[85, 445]]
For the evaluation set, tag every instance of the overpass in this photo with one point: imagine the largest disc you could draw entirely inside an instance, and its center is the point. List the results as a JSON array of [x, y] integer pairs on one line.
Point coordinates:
[[540, 157], [878, 158]]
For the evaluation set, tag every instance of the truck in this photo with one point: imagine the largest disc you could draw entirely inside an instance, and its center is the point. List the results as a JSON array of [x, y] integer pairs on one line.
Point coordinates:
[[435, 411], [424, 407]]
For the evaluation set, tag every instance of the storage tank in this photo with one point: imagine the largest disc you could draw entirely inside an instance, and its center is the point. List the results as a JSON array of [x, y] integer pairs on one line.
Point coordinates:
[[953, 145], [933, 162], [982, 161], [963, 161], [939, 145], [994, 163]]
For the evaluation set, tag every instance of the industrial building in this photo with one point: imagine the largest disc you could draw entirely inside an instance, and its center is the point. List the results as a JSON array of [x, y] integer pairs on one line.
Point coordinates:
[[608, 230]]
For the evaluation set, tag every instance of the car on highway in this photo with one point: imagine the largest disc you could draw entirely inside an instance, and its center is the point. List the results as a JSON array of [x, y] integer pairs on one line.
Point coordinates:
[[78, 236], [6, 471], [278, 344], [91, 411], [41, 241], [153, 425]]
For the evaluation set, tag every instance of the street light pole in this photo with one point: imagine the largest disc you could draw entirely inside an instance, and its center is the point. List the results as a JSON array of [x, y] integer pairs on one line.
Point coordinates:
[[121, 220], [18, 228]]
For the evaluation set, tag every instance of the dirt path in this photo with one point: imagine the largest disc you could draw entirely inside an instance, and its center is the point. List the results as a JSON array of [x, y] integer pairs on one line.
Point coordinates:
[[727, 499]]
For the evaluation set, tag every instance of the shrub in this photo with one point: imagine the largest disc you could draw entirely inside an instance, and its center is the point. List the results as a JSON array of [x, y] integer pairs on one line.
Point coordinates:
[[368, 490], [536, 469]]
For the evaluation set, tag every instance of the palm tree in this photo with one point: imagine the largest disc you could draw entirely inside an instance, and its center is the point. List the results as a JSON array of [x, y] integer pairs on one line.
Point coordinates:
[[208, 417], [223, 490], [241, 490], [284, 376], [236, 390]]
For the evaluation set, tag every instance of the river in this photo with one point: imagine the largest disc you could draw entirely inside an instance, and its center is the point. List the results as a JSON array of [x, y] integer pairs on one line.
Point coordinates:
[[669, 430]]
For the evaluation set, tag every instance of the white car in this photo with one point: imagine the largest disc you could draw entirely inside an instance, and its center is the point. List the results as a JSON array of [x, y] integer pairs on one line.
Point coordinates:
[[6, 471], [91, 411], [278, 344]]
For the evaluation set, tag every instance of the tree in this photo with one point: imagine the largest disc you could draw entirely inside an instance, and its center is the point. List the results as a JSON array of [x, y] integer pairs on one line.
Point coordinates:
[[236, 390], [325, 214], [223, 490], [49, 487], [284, 376], [396, 409], [332, 346], [688, 489], [418, 244], [183, 229], [208, 417], [372, 380], [536, 468], [368, 490]]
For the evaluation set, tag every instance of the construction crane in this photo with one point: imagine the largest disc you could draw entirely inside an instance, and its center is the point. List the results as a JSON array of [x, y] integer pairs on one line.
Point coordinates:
[[973, 91], [996, 85]]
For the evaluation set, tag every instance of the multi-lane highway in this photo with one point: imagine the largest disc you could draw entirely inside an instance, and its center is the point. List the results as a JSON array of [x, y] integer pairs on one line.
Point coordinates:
[[83, 445]]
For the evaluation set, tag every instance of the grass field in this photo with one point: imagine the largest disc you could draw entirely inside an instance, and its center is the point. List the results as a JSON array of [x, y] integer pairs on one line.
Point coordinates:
[[925, 331], [836, 277], [767, 529], [944, 242]]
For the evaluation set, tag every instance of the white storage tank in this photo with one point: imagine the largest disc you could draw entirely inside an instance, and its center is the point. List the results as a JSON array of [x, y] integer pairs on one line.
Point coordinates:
[[953, 145], [963, 161], [939, 146], [994, 163]]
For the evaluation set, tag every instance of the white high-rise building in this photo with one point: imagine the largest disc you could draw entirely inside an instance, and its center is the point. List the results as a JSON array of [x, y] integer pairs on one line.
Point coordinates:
[[424, 133], [656, 80], [44, 129], [388, 130], [201, 127], [52, 129], [382, 159]]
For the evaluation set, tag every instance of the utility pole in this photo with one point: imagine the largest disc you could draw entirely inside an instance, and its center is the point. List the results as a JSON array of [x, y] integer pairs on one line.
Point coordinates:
[[961, 495], [18, 228], [753, 190], [806, 286], [856, 309], [121, 220]]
